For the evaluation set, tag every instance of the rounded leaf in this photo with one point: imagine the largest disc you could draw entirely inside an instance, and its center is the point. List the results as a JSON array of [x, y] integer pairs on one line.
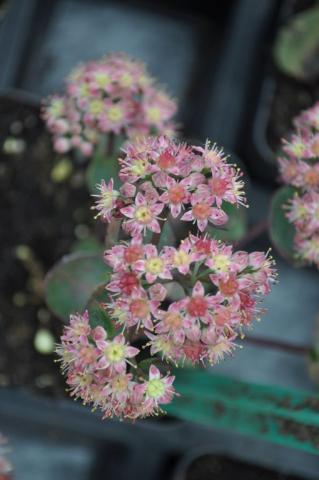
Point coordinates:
[[98, 313], [71, 282], [88, 245], [167, 235], [175, 291], [281, 231], [236, 227], [103, 167], [297, 45]]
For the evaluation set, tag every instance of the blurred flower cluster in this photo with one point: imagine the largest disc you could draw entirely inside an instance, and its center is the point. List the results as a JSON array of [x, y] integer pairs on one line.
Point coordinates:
[[182, 302], [299, 168], [115, 95]]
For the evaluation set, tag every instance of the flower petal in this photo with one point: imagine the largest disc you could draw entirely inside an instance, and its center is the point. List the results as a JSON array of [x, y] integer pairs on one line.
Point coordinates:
[[198, 289], [154, 372]]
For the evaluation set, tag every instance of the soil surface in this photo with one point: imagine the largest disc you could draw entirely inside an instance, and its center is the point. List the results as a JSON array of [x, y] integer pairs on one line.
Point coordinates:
[[43, 212], [210, 467]]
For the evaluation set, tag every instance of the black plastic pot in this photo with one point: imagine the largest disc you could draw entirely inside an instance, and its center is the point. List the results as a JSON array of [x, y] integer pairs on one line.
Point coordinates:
[[47, 413], [209, 57], [260, 157], [163, 440], [51, 36], [102, 449], [255, 146], [209, 463], [52, 438]]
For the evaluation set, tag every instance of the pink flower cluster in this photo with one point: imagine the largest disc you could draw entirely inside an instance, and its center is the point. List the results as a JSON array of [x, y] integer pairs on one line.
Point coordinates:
[[161, 176], [219, 295], [303, 212], [97, 372], [219, 292], [186, 302], [113, 95], [299, 167]]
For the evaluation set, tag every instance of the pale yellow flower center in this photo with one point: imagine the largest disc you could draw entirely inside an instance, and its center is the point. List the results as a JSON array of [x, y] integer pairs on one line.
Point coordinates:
[[314, 244], [56, 108], [108, 198], [126, 80], [154, 114], [154, 265], [155, 388], [144, 80], [298, 149], [163, 345], [114, 353], [181, 258], [143, 214], [119, 314], [119, 383], [213, 157], [115, 114], [90, 135], [102, 79], [139, 167], [301, 211], [96, 107], [316, 122], [315, 148], [80, 329], [67, 356], [219, 350], [173, 320], [84, 90], [221, 263], [85, 380]]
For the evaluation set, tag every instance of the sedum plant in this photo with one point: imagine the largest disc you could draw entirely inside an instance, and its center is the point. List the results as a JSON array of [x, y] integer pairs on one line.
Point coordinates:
[[294, 224], [295, 209], [105, 103], [170, 292]]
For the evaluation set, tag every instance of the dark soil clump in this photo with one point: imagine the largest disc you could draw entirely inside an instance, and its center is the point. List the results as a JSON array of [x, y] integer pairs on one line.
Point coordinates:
[[40, 221]]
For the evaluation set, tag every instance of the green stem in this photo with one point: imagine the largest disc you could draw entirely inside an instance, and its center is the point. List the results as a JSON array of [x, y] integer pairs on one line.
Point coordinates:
[[157, 235], [195, 272], [112, 232], [205, 273], [110, 145]]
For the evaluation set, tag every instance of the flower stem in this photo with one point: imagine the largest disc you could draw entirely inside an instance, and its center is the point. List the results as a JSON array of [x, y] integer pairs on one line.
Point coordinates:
[[195, 272], [278, 345], [110, 145], [157, 235], [255, 232], [205, 273], [112, 232]]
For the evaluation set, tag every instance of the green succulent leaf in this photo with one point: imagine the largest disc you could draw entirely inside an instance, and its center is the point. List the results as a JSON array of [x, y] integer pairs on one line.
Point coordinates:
[[87, 245], [175, 291], [103, 167], [167, 235], [281, 230], [236, 227], [71, 282], [97, 312], [297, 46]]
